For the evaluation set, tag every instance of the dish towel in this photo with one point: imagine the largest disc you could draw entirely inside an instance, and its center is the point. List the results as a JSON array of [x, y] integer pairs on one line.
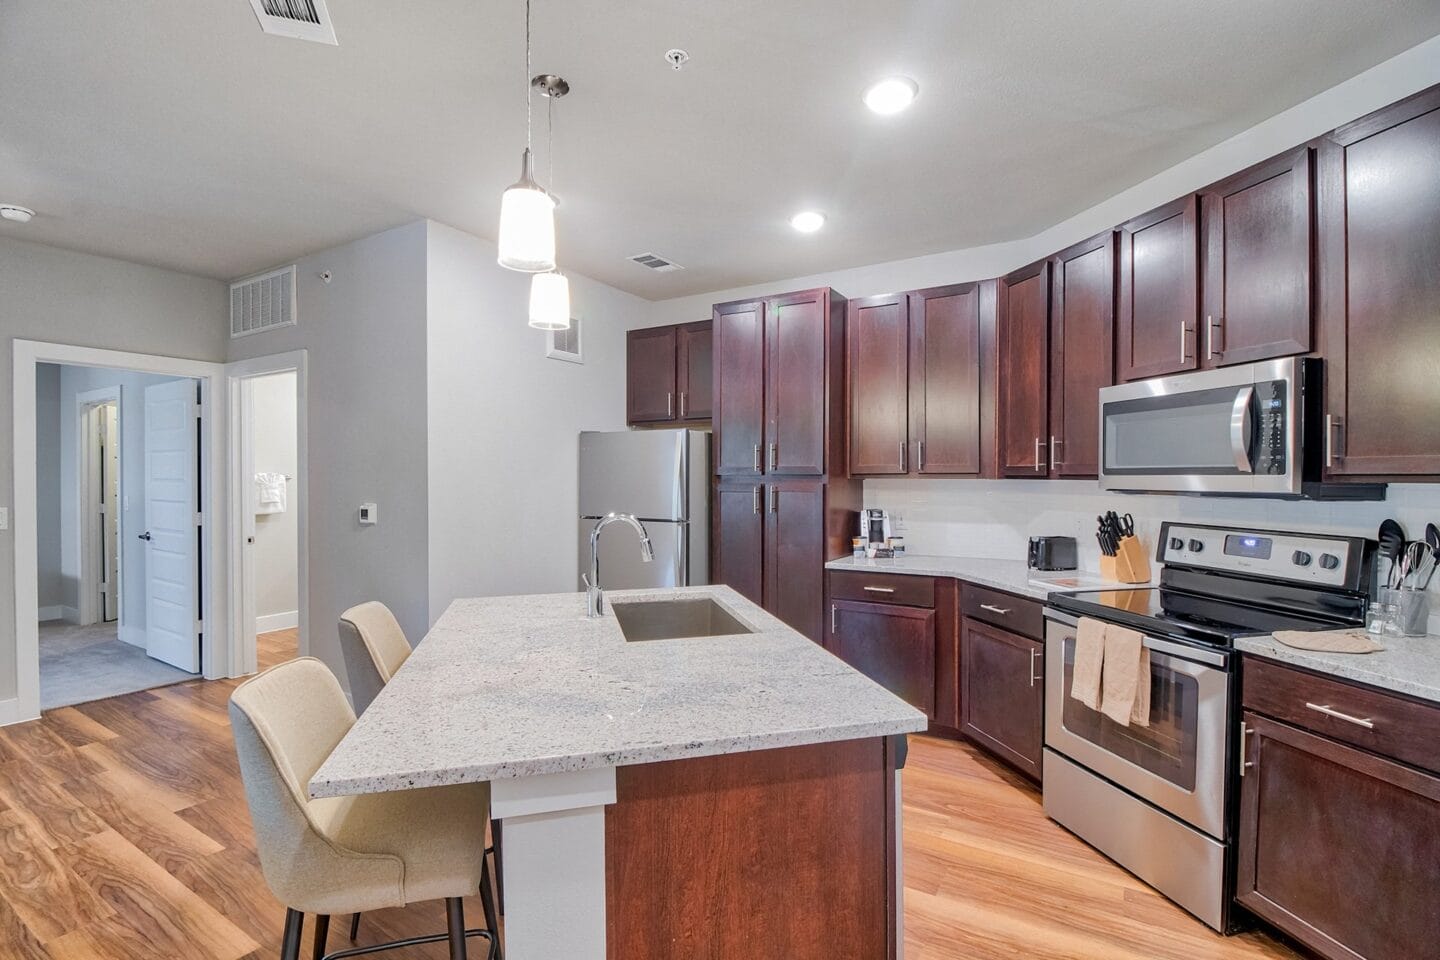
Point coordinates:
[[1125, 687], [1089, 661], [1329, 641], [269, 493]]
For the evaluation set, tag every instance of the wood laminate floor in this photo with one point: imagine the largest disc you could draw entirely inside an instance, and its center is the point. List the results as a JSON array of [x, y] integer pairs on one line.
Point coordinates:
[[124, 836]]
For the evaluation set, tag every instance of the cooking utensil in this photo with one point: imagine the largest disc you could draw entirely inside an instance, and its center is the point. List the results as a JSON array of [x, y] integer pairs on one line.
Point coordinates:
[[1392, 542], [1432, 540]]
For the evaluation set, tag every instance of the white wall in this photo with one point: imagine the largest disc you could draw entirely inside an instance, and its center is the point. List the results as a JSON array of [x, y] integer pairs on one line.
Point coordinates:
[[47, 489], [273, 442], [503, 473], [1395, 79], [63, 297], [365, 337]]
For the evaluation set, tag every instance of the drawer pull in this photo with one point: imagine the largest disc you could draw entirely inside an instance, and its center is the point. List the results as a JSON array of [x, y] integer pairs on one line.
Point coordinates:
[[879, 589], [1245, 731], [1358, 721], [1003, 611], [1034, 656]]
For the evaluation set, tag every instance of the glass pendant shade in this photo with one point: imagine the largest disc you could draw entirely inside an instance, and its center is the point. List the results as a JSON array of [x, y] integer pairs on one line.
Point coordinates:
[[527, 225], [550, 301]]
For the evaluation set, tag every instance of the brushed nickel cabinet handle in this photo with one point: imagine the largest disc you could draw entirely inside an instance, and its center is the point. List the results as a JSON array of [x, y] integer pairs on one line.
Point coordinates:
[[1184, 341], [1034, 655], [1054, 442], [1039, 452], [1365, 722], [834, 614], [919, 454], [757, 458], [1003, 611], [774, 498], [1333, 425], [879, 589], [774, 456], [1245, 731], [1214, 326], [669, 404], [682, 404], [904, 449], [757, 500]]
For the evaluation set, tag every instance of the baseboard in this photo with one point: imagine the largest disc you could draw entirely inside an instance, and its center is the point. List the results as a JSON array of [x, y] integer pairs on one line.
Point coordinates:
[[135, 636], [70, 614], [277, 621], [10, 713], [52, 612]]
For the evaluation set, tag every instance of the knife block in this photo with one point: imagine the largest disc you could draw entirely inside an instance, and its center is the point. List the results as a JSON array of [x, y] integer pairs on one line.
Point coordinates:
[[1130, 565]]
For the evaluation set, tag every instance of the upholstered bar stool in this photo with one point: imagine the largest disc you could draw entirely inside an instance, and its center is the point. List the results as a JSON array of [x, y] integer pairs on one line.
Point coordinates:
[[350, 854], [374, 647]]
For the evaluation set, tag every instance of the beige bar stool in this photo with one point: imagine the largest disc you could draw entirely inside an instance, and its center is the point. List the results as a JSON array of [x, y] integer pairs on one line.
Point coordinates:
[[374, 647], [350, 854]]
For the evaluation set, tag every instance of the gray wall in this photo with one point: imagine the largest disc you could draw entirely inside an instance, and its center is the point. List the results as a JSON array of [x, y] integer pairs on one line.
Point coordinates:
[[365, 336], [47, 486], [63, 297], [277, 575]]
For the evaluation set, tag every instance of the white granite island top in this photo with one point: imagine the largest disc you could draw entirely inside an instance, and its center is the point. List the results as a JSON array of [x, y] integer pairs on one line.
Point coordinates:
[[521, 686], [1409, 665]]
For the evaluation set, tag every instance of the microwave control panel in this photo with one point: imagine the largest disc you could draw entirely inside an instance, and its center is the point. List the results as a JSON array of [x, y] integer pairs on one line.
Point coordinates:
[[1271, 453]]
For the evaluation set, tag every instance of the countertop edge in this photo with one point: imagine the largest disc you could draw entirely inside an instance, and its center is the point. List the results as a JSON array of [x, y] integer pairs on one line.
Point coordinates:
[[1352, 670]]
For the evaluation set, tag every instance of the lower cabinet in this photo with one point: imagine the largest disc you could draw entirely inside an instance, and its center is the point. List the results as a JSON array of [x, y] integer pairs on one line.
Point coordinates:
[[892, 645], [1002, 693]]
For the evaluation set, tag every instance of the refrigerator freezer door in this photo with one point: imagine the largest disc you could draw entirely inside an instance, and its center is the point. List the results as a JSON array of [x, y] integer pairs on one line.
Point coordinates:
[[620, 565], [641, 472]]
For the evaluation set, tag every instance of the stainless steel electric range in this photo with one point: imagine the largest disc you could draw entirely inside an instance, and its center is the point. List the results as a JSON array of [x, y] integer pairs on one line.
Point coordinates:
[[1159, 799]]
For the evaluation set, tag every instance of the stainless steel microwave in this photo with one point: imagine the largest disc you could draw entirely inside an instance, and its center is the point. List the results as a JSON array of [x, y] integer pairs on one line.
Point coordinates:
[[1248, 430]]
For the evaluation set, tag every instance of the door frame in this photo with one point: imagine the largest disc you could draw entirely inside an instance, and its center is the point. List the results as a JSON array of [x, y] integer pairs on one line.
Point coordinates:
[[215, 653], [241, 600], [87, 492]]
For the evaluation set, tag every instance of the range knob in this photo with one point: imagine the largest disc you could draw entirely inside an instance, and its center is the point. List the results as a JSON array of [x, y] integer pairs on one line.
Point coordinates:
[[1176, 543], [1196, 546], [1300, 558], [1329, 561]]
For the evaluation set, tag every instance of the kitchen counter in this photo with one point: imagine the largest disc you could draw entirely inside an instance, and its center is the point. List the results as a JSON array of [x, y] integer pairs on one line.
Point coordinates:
[[1409, 665], [1011, 576], [518, 686]]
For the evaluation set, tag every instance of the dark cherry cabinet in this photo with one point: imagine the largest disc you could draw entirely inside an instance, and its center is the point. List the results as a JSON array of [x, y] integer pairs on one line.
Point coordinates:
[[739, 536], [1378, 187], [1023, 302], [878, 331], [1258, 247], [694, 368], [947, 339], [891, 644], [739, 345], [795, 557], [1082, 341], [650, 375], [1159, 291], [1002, 693], [799, 334]]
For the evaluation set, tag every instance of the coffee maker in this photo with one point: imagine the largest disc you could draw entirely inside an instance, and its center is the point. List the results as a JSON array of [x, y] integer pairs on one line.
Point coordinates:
[[874, 527]]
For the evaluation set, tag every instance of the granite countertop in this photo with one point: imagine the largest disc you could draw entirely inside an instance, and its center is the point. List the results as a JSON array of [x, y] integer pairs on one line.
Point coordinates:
[[1012, 576], [520, 686], [1409, 665]]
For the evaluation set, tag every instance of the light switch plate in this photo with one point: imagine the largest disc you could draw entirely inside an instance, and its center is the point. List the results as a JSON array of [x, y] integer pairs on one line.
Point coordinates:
[[368, 515]]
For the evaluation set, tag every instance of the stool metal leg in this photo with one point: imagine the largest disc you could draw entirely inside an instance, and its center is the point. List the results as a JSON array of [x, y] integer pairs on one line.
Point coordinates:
[[290, 942], [322, 934], [455, 919], [487, 903], [354, 928]]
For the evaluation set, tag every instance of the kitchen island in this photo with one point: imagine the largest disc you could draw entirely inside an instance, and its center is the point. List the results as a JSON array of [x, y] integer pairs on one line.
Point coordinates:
[[727, 788]]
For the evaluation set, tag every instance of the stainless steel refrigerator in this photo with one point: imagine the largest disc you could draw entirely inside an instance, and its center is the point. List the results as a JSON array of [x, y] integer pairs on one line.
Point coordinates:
[[663, 478]]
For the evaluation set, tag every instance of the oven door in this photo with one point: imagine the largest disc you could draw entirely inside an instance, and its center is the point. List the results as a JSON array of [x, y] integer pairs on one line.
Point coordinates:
[[1234, 430], [1176, 763]]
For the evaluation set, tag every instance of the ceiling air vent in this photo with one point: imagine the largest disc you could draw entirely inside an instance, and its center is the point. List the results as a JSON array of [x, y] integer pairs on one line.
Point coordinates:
[[658, 264], [300, 19], [262, 302]]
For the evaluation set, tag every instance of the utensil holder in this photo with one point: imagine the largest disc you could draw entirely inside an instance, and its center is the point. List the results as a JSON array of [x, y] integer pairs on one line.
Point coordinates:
[[1412, 613], [1130, 564]]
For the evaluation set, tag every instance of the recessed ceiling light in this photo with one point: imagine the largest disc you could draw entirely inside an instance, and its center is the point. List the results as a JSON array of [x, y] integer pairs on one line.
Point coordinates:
[[19, 214], [891, 95], [808, 221]]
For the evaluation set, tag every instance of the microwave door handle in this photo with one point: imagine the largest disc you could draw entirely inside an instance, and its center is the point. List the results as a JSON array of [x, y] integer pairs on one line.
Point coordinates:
[[1240, 429]]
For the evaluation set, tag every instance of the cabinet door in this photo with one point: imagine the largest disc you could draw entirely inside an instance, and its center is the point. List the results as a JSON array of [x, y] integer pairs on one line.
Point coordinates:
[[1159, 291], [1002, 694], [1082, 351], [1258, 247], [740, 538], [694, 368], [795, 383], [739, 414], [879, 392], [945, 379], [650, 375], [1338, 847], [892, 645], [795, 554], [1024, 356], [1379, 202]]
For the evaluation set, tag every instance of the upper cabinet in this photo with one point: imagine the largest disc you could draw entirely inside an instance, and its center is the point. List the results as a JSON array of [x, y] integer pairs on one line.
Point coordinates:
[[668, 374], [778, 406], [1082, 350], [915, 375], [1258, 247], [1160, 291], [1378, 187], [1023, 303]]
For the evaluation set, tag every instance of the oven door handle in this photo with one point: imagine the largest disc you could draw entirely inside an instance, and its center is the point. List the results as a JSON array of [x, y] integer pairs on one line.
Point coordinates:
[[1240, 429]]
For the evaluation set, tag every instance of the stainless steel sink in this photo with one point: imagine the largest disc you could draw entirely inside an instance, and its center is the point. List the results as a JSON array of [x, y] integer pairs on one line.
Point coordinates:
[[675, 619]]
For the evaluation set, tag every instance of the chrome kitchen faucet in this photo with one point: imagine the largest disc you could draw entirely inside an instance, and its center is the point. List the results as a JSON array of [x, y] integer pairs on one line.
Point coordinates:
[[594, 596]]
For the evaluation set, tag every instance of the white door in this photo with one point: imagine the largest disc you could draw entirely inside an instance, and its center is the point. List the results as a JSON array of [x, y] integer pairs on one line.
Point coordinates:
[[109, 458], [172, 548]]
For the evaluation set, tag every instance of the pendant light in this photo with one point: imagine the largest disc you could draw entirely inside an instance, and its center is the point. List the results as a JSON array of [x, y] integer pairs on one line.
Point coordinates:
[[527, 213], [550, 291]]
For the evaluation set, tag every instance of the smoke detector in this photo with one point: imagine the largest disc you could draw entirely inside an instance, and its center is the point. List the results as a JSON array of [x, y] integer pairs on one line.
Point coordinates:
[[676, 57], [297, 19], [9, 211]]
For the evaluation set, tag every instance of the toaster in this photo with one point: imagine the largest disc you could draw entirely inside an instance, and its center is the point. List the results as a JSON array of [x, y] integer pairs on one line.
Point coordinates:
[[1051, 553]]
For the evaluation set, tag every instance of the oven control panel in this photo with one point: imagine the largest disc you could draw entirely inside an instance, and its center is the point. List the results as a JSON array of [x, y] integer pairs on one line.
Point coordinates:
[[1326, 560]]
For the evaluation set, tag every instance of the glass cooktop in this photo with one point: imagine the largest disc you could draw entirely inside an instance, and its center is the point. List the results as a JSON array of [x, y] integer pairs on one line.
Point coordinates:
[[1184, 616]]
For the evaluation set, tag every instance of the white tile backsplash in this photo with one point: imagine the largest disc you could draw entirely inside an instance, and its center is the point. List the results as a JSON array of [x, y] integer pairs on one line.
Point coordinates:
[[997, 518]]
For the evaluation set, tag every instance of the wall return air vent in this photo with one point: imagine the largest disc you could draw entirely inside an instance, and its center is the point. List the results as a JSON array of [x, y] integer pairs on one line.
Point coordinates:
[[652, 262], [262, 302], [300, 19]]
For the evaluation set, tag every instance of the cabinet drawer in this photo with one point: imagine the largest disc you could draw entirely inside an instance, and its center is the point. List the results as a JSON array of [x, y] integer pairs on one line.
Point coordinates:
[[1382, 723], [1025, 617], [882, 588]]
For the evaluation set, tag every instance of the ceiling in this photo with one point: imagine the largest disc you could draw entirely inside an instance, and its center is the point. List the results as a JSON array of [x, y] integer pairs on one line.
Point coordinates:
[[176, 133]]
